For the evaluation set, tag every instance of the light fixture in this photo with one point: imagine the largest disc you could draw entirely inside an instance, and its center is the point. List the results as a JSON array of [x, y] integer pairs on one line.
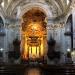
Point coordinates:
[[68, 50], [1, 49]]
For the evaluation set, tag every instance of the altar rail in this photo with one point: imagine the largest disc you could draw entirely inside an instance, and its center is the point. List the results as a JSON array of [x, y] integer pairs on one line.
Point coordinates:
[[45, 69]]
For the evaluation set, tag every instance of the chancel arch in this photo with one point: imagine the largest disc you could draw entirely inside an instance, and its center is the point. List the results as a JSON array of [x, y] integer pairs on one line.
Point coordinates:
[[40, 6]]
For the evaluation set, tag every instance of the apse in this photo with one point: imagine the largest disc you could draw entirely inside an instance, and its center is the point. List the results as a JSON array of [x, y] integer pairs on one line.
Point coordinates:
[[33, 35]]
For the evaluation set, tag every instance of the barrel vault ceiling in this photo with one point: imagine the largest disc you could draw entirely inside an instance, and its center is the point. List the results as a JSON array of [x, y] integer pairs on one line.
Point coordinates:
[[58, 7]]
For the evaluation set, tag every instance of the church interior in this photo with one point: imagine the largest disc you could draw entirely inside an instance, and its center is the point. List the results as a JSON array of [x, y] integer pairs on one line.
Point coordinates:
[[37, 37]]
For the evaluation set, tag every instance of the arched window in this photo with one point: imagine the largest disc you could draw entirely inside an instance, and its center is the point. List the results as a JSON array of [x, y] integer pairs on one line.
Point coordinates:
[[2, 30], [69, 32]]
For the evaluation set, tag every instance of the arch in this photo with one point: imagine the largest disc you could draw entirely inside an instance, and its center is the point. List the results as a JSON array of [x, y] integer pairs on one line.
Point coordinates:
[[2, 25], [3, 19], [70, 13], [40, 6], [69, 17]]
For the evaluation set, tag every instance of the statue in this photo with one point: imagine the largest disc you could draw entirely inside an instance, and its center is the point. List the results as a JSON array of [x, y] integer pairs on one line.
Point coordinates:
[[52, 54], [16, 44]]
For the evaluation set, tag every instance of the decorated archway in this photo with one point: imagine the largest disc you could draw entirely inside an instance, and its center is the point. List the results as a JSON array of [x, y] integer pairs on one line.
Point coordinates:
[[33, 35]]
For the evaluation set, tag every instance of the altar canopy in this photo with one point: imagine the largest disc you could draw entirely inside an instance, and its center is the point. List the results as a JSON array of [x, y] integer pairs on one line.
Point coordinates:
[[33, 40]]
